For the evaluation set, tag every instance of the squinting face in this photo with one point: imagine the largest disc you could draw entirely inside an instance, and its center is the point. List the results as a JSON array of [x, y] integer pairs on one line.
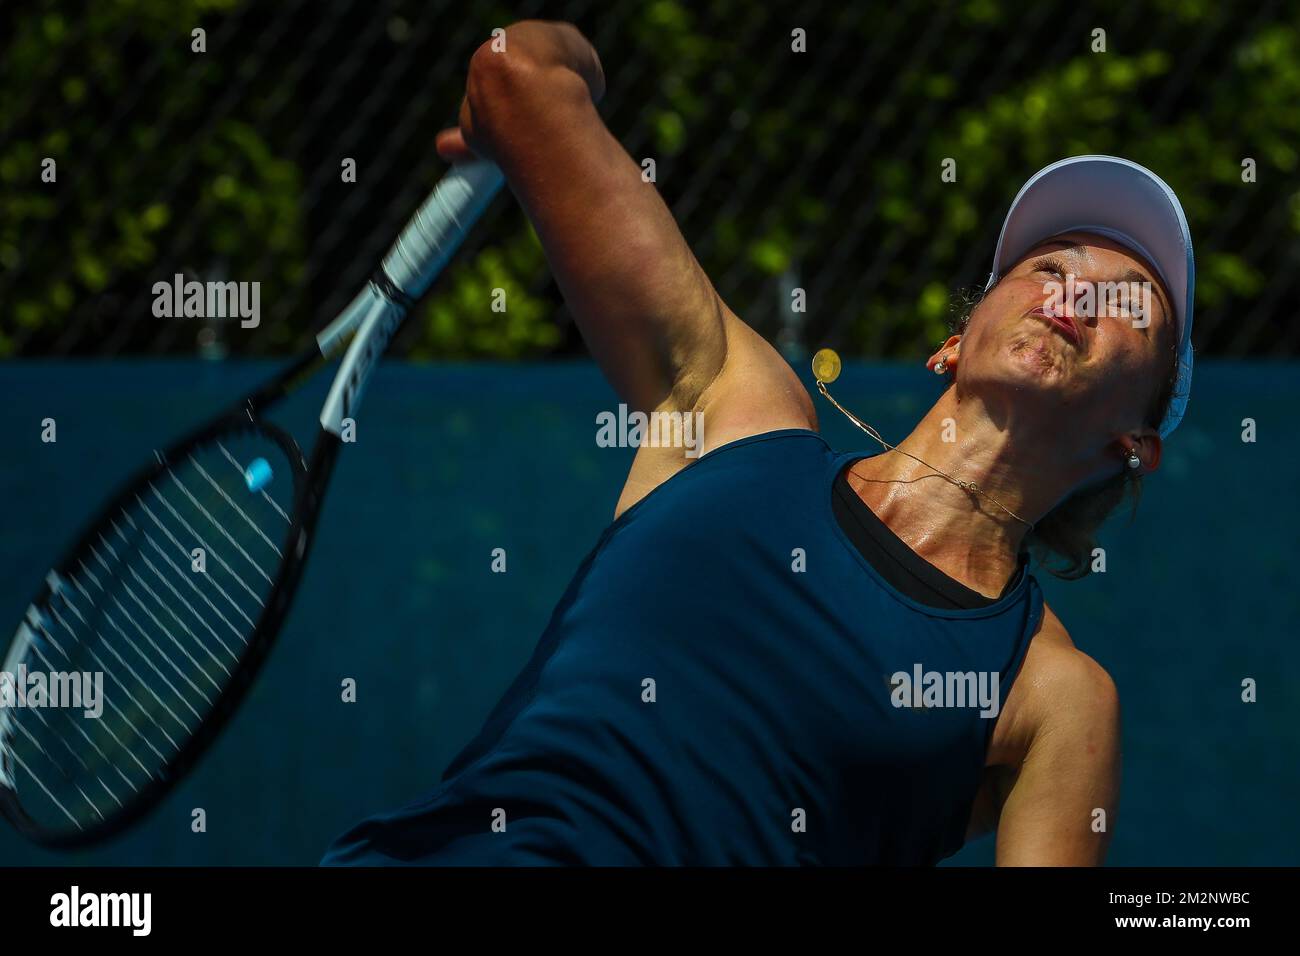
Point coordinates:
[[1092, 360]]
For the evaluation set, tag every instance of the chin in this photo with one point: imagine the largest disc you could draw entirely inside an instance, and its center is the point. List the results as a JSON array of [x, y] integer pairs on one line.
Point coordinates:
[[1035, 360], [1028, 373]]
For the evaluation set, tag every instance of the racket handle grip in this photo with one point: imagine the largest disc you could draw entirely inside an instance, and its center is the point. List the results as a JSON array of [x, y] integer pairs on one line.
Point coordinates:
[[439, 226]]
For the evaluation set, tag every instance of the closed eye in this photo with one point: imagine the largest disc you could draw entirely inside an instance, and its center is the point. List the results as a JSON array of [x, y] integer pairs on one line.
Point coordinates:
[[1050, 265]]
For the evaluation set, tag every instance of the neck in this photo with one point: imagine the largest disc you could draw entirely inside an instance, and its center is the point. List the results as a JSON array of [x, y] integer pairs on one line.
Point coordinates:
[[960, 531]]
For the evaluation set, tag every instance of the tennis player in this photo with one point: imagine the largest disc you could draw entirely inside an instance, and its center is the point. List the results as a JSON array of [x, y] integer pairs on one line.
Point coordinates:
[[779, 654]]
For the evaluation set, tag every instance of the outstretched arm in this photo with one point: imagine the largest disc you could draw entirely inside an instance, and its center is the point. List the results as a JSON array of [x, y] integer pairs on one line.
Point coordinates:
[[646, 310], [644, 306]]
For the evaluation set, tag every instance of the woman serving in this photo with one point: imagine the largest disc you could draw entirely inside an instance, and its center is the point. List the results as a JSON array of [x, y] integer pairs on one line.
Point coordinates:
[[778, 653]]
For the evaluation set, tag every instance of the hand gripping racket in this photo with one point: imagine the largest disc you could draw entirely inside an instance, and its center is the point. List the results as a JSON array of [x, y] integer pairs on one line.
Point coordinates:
[[177, 589]]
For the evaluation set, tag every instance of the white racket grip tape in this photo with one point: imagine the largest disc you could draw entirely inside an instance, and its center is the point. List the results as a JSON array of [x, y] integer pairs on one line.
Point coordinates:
[[424, 247], [436, 230]]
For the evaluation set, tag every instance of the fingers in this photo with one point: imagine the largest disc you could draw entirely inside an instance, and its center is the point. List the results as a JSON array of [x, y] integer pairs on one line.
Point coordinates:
[[451, 146]]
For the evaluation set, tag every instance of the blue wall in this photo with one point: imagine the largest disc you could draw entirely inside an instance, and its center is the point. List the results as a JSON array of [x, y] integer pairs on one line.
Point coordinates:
[[452, 462]]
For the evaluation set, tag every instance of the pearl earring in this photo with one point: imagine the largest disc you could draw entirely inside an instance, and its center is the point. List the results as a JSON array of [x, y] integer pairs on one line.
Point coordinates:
[[1133, 460]]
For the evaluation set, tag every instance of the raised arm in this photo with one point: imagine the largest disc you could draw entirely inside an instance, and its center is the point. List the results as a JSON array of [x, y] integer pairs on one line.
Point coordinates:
[[646, 310]]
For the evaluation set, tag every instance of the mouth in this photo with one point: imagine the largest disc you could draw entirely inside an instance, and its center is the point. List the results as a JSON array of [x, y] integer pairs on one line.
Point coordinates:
[[1063, 324]]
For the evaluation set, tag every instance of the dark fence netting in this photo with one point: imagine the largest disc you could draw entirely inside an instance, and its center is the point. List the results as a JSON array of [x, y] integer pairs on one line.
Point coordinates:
[[817, 169]]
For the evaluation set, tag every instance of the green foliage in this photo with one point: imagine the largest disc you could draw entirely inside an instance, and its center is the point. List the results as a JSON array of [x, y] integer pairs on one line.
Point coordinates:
[[456, 325], [1186, 89], [128, 187], [822, 167]]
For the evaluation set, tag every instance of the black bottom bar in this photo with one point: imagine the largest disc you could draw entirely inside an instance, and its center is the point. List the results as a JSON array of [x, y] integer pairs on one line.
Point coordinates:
[[236, 905]]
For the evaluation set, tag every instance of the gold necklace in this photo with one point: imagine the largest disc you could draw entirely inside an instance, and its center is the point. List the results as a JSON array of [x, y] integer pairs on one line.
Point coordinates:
[[826, 368]]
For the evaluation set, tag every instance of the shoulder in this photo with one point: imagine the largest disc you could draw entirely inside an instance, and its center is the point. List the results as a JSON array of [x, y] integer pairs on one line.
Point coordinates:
[[1060, 696], [1073, 679]]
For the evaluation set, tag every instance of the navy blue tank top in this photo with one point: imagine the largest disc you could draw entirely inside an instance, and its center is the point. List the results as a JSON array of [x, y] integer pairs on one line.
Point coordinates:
[[719, 686]]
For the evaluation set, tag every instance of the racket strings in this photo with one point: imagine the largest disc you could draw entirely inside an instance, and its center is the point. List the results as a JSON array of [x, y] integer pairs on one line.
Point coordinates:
[[159, 606]]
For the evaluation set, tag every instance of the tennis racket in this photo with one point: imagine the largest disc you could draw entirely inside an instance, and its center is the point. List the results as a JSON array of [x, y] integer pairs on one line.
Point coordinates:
[[177, 589]]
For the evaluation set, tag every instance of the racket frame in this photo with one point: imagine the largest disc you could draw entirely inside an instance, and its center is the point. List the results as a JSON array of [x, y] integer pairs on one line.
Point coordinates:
[[309, 482], [364, 328]]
